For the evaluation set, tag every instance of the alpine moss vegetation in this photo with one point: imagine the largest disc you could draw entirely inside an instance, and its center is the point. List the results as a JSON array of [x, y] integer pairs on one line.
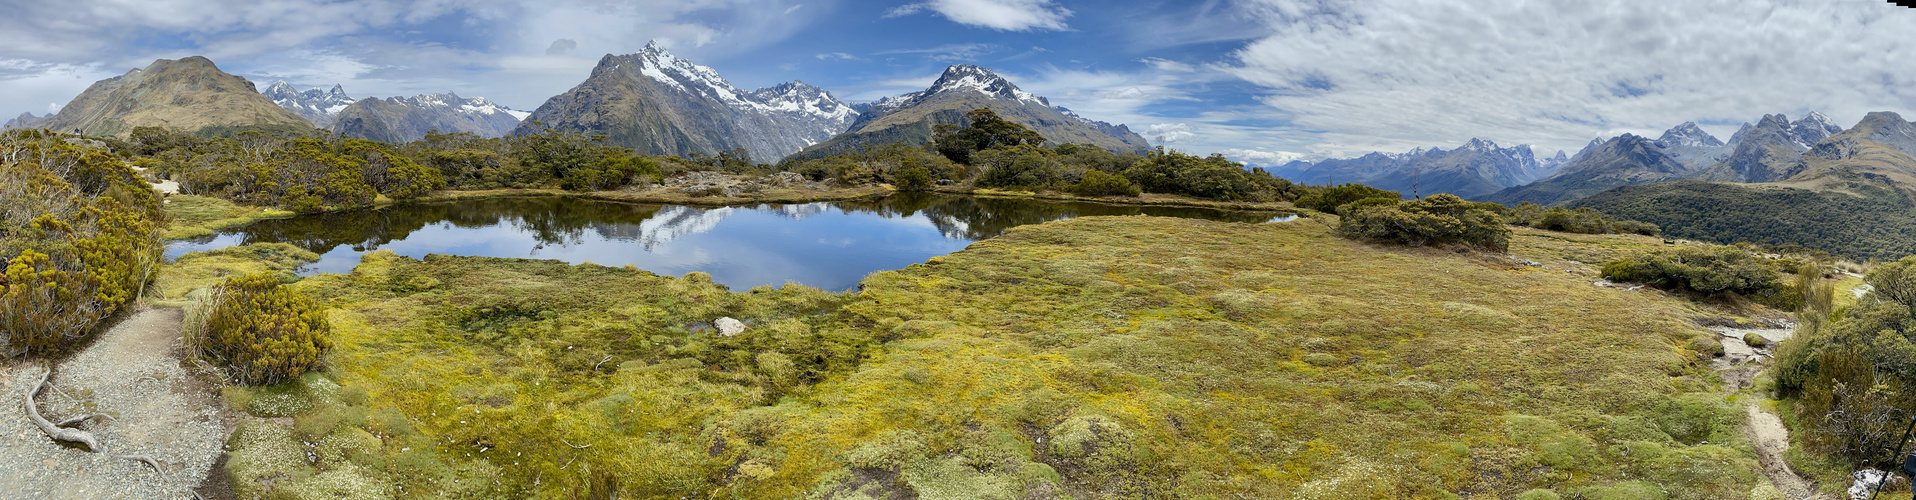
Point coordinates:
[[1096, 357]]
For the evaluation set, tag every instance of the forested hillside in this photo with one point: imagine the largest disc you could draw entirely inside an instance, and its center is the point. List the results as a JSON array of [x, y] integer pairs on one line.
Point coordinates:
[[1852, 226]]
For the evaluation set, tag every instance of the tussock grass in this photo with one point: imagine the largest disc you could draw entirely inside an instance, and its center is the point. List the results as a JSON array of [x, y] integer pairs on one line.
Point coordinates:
[[196, 216], [1101, 357]]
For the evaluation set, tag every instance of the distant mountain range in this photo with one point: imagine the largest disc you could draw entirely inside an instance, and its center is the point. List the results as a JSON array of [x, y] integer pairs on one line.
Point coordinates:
[[189, 94], [910, 118], [400, 120], [1473, 170], [650, 101], [656, 103], [1772, 150]]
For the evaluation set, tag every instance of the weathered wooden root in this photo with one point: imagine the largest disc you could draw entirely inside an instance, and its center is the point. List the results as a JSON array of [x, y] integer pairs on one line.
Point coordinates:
[[53, 431], [149, 461], [79, 418]]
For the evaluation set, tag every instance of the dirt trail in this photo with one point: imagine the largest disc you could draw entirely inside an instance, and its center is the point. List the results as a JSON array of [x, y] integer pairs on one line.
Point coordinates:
[[1738, 366], [156, 408]]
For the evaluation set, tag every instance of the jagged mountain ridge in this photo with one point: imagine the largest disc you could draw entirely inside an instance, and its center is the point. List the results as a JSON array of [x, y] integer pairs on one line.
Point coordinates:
[[1625, 160], [1475, 169], [26, 120], [910, 118], [399, 120], [188, 94], [656, 103], [315, 105]]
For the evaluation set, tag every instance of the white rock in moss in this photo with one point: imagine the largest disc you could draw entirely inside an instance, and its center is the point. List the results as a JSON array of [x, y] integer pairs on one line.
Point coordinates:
[[729, 327]]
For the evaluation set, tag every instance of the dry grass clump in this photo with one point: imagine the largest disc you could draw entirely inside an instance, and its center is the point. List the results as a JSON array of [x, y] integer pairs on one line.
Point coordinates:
[[1097, 357]]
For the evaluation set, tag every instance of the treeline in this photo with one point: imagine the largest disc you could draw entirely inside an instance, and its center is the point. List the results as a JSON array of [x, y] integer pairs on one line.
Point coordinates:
[[1858, 228], [993, 152], [79, 239], [1369, 213]]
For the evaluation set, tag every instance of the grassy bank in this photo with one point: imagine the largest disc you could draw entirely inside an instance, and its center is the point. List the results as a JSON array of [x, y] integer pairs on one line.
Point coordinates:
[[1148, 199], [1102, 356]]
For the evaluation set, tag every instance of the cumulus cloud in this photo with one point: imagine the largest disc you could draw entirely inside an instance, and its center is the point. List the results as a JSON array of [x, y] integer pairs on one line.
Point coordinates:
[[1002, 15], [1260, 157], [1164, 134], [1397, 74]]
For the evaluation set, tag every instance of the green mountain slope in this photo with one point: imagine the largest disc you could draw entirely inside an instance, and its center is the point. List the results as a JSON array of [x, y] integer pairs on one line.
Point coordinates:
[[1852, 226]]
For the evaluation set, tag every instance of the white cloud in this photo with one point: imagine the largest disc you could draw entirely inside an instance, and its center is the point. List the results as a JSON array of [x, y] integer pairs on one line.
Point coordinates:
[[1260, 157], [1165, 134], [793, 8], [1168, 65], [1002, 15], [1397, 74], [838, 56]]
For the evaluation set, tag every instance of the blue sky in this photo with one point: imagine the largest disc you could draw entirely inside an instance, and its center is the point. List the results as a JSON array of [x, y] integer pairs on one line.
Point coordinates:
[[1259, 80]]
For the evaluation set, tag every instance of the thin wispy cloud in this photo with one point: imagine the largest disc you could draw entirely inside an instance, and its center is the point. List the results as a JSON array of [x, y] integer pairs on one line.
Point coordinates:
[[1004, 15]]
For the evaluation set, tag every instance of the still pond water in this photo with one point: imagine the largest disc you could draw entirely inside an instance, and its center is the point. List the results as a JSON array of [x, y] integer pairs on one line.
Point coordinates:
[[829, 245]]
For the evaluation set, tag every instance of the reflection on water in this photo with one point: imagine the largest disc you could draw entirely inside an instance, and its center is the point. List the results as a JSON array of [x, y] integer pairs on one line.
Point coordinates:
[[829, 245]]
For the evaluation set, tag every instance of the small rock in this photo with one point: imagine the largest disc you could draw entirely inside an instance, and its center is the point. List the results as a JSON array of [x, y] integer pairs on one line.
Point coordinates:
[[728, 327]]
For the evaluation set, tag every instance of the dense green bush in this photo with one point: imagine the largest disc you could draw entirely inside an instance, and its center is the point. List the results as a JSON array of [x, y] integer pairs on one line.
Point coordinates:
[[1211, 177], [985, 130], [1439, 219], [264, 332], [913, 179], [1327, 199], [1707, 270], [1095, 183]]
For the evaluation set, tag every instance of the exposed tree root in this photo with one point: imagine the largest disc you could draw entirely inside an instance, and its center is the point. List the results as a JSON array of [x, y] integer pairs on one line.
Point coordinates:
[[79, 418], [53, 431], [149, 461]]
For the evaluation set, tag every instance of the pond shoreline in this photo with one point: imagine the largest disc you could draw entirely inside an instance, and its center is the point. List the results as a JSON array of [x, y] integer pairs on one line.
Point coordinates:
[[253, 214]]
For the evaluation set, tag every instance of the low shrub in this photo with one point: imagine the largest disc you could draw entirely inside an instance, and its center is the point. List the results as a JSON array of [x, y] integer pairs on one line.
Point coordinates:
[[1707, 270], [1327, 199], [1439, 219], [1096, 183], [264, 332], [913, 179]]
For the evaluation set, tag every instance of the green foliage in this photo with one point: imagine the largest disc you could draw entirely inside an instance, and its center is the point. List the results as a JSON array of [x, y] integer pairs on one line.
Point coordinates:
[[1327, 199], [79, 239], [985, 130], [1096, 183], [1855, 227], [1438, 219], [1852, 372], [1708, 270], [264, 332], [914, 179], [1580, 220], [1211, 177]]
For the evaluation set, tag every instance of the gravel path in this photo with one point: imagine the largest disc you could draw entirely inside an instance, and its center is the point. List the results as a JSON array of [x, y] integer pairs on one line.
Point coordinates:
[[133, 374]]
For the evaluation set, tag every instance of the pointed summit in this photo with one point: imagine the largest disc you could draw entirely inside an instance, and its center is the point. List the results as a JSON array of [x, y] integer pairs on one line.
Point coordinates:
[[190, 94], [965, 77], [1688, 135], [1813, 128]]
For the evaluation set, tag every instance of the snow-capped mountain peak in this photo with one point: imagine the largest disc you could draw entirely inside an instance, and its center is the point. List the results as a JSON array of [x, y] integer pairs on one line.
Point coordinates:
[[965, 77], [660, 65], [315, 105], [1688, 135], [1813, 128]]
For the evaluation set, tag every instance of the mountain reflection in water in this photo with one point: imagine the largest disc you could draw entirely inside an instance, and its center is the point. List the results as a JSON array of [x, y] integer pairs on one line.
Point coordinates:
[[829, 245]]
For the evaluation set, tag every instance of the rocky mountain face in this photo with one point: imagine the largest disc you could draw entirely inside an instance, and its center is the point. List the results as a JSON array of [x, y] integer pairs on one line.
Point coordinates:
[[910, 118], [1476, 169], [1769, 150], [1773, 149], [400, 120], [1622, 161], [656, 103], [315, 105], [188, 94], [26, 120]]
